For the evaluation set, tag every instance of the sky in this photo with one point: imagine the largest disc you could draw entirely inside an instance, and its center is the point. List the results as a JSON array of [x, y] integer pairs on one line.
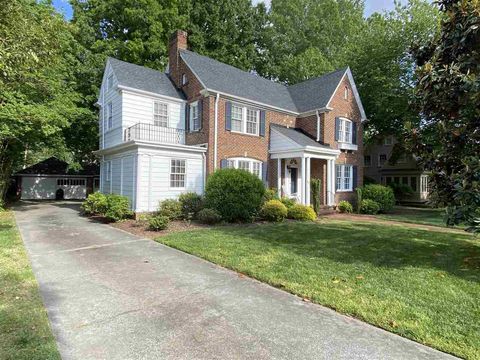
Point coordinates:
[[371, 6]]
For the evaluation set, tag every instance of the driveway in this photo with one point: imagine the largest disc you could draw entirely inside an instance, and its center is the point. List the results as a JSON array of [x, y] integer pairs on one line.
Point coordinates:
[[112, 295]]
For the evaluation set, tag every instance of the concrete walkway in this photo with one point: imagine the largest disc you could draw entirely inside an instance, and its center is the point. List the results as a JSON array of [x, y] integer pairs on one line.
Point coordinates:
[[111, 295]]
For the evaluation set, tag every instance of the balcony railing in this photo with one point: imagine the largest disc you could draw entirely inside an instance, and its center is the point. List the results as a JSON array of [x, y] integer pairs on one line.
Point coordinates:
[[150, 132]]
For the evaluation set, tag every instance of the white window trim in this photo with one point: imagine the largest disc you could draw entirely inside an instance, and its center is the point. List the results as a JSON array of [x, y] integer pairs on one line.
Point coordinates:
[[346, 93], [386, 159], [342, 177], [192, 119], [342, 138], [170, 174], [244, 120], [109, 116], [153, 112], [184, 79], [108, 177], [250, 164]]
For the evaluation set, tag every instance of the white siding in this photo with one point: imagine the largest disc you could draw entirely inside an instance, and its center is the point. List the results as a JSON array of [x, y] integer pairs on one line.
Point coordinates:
[[123, 175], [114, 135]]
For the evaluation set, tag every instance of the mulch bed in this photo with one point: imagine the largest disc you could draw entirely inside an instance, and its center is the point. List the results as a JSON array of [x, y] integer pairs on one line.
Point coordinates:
[[140, 229]]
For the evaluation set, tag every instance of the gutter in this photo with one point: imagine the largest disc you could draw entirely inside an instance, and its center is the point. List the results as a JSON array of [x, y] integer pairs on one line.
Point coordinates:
[[318, 125], [215, 139]]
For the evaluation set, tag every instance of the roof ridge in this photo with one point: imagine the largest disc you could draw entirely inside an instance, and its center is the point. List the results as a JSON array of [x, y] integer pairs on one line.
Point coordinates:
[[136, 65], [344, 70]]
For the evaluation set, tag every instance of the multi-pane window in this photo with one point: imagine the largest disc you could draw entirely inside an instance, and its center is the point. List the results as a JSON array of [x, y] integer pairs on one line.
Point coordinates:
[[110, 82], [345, 131], [388, 140], [231, 164], [237, 118], [344, 177], [244, 165], [194, 116], [253, 166], [252, 121], [71, 182], [177, 173], [160, 114], [109, 115], [382, 159], [256, 168], [367, 160]]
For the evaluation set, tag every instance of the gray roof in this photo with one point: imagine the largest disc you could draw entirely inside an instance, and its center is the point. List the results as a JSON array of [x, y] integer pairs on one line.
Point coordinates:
[[143, 78], [305, 96], [298, 137], [316, 93]]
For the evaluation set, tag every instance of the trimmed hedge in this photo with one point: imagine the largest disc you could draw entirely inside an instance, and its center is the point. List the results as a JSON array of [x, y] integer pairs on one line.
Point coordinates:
[[382, 195], [191, 204], [236, 195], [288, 202], [369, 207], [301, 212], [118, 207], [158, 222], [274, 210], [95, 204], [170, 208], [209, 216], [345, 207]]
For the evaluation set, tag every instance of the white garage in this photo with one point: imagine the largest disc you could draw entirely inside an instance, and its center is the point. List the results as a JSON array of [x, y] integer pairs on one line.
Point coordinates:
[[52, 180]]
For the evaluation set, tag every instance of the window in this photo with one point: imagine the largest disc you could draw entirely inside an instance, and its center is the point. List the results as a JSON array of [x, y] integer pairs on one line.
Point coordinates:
[[382, 159], [177, 173], [184, 79], [71, 182], [413, 183], [108, 165], [109, 115], [345, 94], [109, 82], [345, 131], [344, 177], [237, 118], [388, 141], [250, 165], [194, 117], [160, 114], [252, 121], [367, 160]]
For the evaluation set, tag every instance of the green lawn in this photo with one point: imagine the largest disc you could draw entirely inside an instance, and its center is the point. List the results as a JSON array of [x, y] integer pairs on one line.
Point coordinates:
[[420, 284], [424, 216], [24, 328]]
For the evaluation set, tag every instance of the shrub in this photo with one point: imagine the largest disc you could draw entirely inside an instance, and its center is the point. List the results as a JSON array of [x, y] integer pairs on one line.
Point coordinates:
[[235, 194], [359, 198], [270, 194], [288, 202], [209, 216], [401, 191], [369, 207], [382, 195], [118, 207], [95, 204], [2, 205], [301, 212], [191, 204], [171, 208], [158, 222], [345, 207], [274, 210], [316, 190], [368, 180]]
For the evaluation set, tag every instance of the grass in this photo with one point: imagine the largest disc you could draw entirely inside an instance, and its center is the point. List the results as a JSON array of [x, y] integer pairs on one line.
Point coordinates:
[[424, 216], [423, 285], [24, 327]]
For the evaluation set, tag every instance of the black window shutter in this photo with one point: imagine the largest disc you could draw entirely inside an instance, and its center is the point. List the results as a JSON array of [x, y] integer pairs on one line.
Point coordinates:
[[223, 163], [199, 110], [262, 122], [228, 116], [337, 129], [265, 172], [187, 117], [336, 183], [355, 177], [354, 133]]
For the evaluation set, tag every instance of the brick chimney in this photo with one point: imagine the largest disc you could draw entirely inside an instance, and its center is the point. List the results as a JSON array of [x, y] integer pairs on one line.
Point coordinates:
[[178, 41]]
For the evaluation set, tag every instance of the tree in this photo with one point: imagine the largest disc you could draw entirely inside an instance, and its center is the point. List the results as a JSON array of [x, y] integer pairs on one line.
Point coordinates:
[[448, 95], [36, 97]]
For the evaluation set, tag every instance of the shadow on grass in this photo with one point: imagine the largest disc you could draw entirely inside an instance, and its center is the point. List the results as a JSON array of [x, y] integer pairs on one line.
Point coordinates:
[[380, 245]]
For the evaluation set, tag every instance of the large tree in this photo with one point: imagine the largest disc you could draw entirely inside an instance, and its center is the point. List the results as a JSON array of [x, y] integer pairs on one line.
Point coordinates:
[[448, 95], [36, 97]]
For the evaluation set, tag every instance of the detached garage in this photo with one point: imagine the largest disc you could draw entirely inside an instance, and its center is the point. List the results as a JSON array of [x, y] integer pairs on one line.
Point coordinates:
[[52, 179]]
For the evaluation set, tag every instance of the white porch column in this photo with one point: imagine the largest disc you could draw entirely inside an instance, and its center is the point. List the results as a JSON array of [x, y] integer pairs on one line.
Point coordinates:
[[279, 177], [303, 198], [307, 180], [331, 182]]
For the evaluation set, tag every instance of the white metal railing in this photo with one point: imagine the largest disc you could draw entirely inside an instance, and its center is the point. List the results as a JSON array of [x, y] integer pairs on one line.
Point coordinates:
[[154, 133]]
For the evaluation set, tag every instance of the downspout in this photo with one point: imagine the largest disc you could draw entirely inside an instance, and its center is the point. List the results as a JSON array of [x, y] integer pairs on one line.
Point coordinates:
[[215, 135], [318, 125], [204, 159]]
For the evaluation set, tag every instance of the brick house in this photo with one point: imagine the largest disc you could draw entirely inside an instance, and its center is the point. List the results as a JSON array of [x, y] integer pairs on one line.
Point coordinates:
[[163, 133]]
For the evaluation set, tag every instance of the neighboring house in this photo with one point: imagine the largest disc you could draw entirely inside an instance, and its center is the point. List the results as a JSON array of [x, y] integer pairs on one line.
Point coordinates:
[[52, 178], [163, 134], [405, 170]]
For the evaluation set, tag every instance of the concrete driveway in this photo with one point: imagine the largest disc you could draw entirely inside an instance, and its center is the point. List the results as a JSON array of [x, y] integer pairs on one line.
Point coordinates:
[[111, 295]]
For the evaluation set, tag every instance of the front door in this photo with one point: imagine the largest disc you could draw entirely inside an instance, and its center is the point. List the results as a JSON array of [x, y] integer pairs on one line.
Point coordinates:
[[293, 180]]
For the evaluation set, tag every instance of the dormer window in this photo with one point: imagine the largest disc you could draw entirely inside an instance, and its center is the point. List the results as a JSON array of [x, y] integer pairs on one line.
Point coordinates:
[[184, 79]]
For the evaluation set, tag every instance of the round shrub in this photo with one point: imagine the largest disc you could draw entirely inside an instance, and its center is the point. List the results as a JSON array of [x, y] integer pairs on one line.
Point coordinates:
[[235, 194], [288, 202], [118, 207], [369, 207], [301, 212], [158, 222], [345, 207], [270, 194], [209, 216], [191, 204], [274, 210], [382, 195], [171, 208], [95, 204]]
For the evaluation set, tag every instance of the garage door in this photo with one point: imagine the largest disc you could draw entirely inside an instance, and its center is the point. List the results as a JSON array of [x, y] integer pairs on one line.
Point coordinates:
[[45, 188]]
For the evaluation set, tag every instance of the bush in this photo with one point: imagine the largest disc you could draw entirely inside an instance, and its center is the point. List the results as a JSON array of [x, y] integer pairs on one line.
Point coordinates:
[[316, 191], [301, 212], [2, 205], [288, 202], [209, 216], [369, 207], [158, 222], [118, 207], [95, 204], [235, 194], [382, 195], [270, 194], [170, 208], [274, 210], [345, 207], [401, 191], [191, 204], [358, 204]]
